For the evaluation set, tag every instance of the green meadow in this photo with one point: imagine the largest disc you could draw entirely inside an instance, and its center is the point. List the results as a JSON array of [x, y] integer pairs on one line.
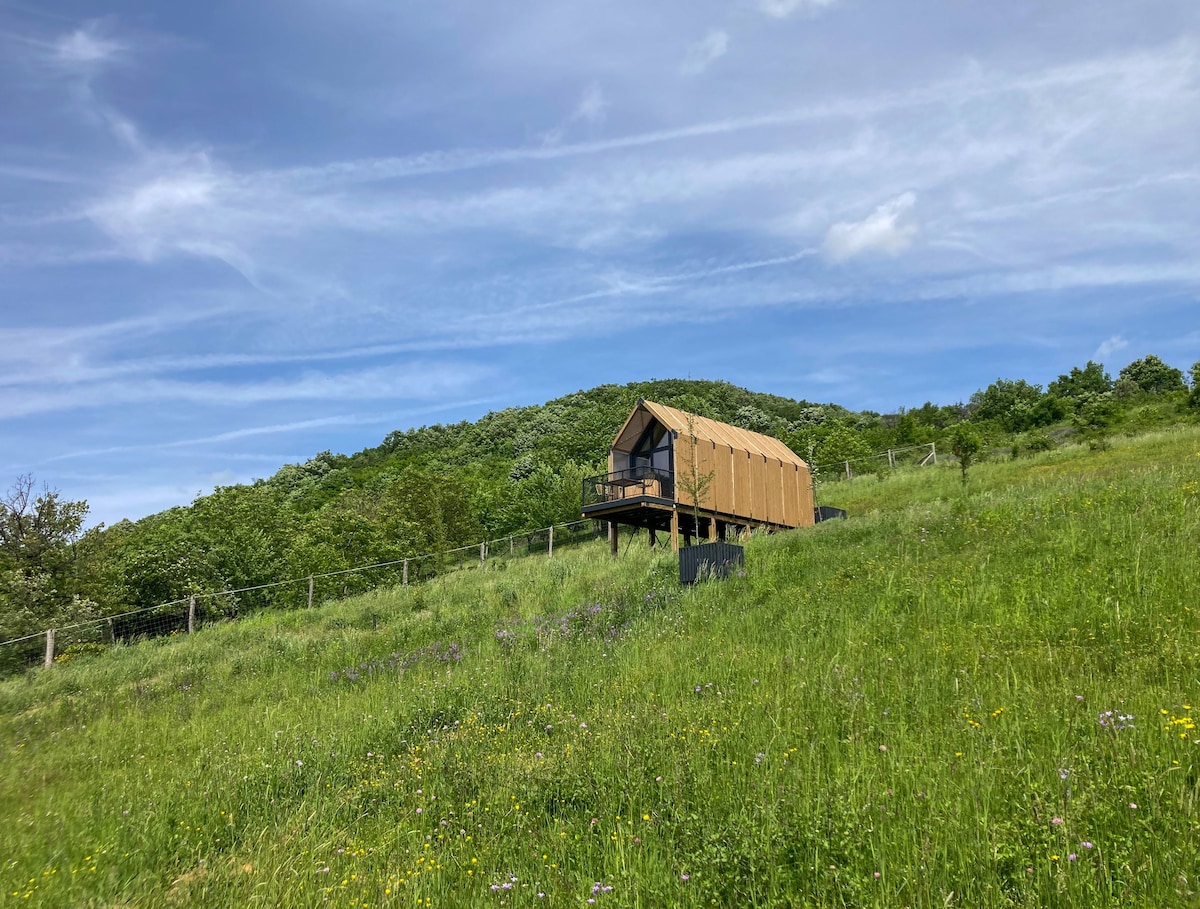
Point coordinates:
[[976, 696]]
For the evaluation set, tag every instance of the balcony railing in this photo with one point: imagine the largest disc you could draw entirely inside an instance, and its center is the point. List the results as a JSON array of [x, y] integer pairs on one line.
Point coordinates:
[[636, 482]]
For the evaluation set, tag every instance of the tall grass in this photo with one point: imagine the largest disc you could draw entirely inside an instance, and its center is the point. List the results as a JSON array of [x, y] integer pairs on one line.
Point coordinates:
[[975, 697]]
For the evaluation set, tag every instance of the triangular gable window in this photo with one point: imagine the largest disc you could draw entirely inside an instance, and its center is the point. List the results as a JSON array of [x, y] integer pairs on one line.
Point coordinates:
[[653, 449]]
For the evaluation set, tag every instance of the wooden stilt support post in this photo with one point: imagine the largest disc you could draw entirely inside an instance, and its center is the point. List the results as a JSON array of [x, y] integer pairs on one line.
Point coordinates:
[[192, 614], [310, 591], [650, 532], [612, 539], [49, 648], [712, 530], [675, 530]]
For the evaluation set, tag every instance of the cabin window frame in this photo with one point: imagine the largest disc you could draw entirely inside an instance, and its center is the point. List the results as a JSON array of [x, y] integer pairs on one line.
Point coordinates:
[[665, 446]]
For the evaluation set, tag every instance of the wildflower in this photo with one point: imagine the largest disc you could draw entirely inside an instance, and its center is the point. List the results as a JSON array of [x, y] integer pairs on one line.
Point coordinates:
[[685, 876], [1086, 844], [1072, 857], [1133, 805], [1063, 773], [878, 875], [1056, 821]]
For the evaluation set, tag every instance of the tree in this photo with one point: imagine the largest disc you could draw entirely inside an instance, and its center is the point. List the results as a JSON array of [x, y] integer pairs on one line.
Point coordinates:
[[1194, 397], [1152, 376], [38, 578], [1079, 384], [1008, 403], [966, 445], [695, 485]]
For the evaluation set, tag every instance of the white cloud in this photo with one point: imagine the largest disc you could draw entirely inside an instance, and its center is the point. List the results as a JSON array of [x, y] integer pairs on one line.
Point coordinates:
[[592, 105], [882, 231], [781, 9], [704, 52], [86, 47], [1109, 347]]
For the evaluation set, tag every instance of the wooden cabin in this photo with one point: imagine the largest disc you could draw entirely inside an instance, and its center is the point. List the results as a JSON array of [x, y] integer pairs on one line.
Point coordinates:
[[693, 477]]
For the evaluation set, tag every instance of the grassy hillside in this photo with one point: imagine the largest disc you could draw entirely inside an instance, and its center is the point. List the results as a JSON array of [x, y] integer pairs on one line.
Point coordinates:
[[978, 697]]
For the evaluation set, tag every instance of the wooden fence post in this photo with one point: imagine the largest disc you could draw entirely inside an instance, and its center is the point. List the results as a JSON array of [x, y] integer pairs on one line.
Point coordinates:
[[510, 545], [406, 572], [192, 614], [933, 451], [848, 470], [49, 648], [310, 591], [891, 459], [482, 553], [550, 548]]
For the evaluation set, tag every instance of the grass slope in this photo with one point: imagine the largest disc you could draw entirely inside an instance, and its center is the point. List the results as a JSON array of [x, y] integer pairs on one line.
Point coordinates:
[[976, 697]]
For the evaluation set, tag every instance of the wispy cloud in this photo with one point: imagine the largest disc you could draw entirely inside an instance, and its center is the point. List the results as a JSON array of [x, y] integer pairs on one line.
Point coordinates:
[[701, 55], [592, 105], [883, 231], [782, 9], [1108, 347], [87, 47], [412, 381]]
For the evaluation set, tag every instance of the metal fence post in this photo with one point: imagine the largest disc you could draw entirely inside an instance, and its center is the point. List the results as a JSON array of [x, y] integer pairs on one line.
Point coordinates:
[[49, 648]]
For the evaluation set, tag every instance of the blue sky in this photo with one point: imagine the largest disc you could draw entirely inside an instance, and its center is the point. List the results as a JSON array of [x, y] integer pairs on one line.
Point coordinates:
[[233, 235]]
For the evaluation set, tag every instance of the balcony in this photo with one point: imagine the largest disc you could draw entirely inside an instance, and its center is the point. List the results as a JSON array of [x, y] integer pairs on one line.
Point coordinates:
[[637, 484]]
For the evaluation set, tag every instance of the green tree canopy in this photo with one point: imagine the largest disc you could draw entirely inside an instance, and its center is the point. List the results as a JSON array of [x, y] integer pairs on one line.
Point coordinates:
[[1079, 384], [1008, 403], [38, 577], [1152, 376]]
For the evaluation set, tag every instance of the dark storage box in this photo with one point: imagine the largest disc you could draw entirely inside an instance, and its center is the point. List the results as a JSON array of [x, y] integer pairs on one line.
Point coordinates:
[[712, 560]]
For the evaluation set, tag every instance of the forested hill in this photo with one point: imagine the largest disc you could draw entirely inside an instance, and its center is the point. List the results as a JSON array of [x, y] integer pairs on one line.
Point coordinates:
[[438, 487]]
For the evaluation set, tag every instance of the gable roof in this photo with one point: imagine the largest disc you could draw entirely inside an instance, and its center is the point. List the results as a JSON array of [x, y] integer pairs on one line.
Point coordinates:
[[687, 424]]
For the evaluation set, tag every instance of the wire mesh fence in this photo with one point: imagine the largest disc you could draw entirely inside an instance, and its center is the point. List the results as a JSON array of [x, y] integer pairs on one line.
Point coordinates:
[[892, 459], [195, 611]]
